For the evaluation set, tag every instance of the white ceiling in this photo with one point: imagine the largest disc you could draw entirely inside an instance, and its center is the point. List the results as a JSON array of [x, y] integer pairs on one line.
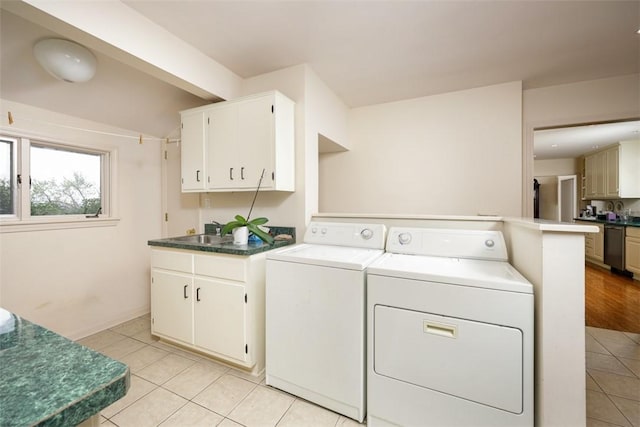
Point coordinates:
[[571, 142], [367, 52], [371, 52]]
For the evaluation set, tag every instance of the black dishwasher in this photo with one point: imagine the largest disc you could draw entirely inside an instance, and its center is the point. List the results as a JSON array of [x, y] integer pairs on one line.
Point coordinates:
[[614, 246]]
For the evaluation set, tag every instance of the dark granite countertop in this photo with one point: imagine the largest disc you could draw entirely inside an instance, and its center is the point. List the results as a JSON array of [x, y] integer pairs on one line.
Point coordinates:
[[228, 247], [634, 223], [48, 380]]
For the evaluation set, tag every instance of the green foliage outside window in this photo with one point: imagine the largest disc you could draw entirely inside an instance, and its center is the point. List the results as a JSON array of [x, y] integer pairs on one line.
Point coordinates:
[[71, 196]]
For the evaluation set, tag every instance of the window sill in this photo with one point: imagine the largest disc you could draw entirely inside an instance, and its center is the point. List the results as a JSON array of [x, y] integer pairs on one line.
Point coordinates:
[[15, 226]]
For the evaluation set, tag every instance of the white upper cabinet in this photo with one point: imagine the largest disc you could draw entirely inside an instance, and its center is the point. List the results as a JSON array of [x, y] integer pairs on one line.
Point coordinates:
[[193, 161], [243, 138], [614, 173]]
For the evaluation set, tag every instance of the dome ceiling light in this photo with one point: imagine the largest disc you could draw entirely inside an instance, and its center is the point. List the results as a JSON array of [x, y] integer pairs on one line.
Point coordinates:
[[65, 60]]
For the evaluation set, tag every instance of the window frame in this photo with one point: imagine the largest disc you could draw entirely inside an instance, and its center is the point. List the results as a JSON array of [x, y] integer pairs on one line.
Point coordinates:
[[22, 220], [13, 176]]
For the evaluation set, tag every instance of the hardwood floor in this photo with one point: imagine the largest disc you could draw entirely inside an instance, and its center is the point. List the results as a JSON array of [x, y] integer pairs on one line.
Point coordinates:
[[611, 301]]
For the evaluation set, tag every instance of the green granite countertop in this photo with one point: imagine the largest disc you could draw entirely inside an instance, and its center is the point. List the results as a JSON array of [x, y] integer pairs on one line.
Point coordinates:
[[633, 223], [48, 380], [227, 246]]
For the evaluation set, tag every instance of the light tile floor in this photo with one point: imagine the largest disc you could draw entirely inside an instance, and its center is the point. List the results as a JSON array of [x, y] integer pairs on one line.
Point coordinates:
[[173, 387], [613, 378]]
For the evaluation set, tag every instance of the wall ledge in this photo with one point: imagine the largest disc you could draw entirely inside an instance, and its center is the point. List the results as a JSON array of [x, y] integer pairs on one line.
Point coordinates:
[[555, 226]]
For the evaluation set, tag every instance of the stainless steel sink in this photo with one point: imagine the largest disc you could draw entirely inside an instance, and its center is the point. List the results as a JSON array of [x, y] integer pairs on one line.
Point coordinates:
[[203, 239]]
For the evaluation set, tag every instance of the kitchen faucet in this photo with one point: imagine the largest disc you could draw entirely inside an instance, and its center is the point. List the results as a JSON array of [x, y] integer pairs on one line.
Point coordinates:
[[218, 227]]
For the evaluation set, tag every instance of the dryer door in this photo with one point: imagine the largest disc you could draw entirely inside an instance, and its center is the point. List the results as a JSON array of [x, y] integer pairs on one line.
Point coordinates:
[[470, 360]]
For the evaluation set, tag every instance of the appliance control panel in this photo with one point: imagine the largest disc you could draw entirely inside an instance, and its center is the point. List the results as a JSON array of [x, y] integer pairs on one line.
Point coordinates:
[[473, 244], [356, 235]]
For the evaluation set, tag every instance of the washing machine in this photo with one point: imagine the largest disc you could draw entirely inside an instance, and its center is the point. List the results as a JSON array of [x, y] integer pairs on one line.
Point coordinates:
[[316, 315], [449, 332]]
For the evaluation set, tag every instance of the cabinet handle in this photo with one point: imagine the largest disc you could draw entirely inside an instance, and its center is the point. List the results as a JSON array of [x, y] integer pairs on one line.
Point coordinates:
[[242, 172], [197, 176], [197, 294], [185, 291], [231, 174]]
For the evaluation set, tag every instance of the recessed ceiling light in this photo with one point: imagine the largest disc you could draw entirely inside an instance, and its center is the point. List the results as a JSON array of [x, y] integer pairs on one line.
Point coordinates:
[[595, 146], [554, 145]]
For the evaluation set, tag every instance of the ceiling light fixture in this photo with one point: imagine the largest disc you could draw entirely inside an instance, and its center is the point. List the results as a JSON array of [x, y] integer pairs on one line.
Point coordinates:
[[554, 145], [65, 60]]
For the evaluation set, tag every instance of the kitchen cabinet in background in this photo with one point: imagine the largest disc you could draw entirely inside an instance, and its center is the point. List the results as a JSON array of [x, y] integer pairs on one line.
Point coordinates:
[[613, 173], [632, 250], [232, 142], [594, 243], [212, 303]]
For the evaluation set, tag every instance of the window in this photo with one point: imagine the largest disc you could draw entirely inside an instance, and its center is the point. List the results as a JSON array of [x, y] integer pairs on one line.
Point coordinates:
[[41, 181], [7, 174], [64, 182]]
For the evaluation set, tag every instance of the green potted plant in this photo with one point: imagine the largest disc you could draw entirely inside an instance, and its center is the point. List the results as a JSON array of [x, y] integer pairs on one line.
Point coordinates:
[[252, 225]]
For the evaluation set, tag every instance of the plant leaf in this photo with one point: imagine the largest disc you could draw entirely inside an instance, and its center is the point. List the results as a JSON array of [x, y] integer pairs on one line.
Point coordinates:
[[241, 219], [230, 226], [259, 221], [261, 234]]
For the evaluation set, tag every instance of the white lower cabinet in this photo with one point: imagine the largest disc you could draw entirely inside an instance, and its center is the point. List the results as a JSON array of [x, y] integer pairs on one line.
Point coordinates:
[[594, 243], [209, 302], [171, 305], [632, 250], [219, 318]]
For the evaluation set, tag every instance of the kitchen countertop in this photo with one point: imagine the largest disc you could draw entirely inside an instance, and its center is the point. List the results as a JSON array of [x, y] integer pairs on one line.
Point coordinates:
[[604, 221], [230, 248], [49, 380]]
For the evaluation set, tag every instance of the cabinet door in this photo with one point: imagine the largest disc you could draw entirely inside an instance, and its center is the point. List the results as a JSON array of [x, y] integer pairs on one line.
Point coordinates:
[[255, 141], [600, 166], [171, 305], [192, 151], [632, 254], [612, 172], [598, 248], [220, 317], [223, 166], [590, 174]]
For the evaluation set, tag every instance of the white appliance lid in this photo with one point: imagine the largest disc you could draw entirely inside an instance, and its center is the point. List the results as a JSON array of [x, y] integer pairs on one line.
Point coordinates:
[[356, 235], [498, 275], [344, 257], [474, 244]]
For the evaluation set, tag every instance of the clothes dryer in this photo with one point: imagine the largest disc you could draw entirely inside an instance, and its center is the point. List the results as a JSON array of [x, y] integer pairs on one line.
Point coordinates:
[[450, 332]]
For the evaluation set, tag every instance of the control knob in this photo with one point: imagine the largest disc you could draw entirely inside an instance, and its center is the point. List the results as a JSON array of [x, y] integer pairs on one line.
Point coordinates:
[[366, 233], [404, 238]]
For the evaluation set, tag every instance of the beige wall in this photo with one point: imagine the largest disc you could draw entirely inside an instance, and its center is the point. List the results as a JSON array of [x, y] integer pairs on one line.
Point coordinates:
[[318, 112], [456, 153], [547, 172], [79, 281], [575, 103]]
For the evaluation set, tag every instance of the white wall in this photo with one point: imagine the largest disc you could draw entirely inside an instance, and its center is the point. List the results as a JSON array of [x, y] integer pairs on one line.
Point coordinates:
[[456, 153], [282, 208], [547, 172], [79, 281], [553, 262], [318, 112], [575, 103]]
